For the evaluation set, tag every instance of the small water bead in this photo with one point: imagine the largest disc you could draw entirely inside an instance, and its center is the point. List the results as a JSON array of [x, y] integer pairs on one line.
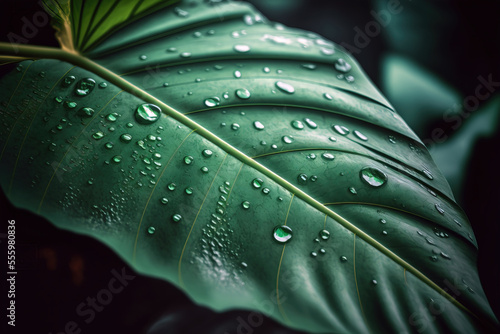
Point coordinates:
[[382, 221], [296, 124], [302, 179], [360, 135], [341, 129], [68, 81], [212, 101], [151, 230], [189, 190], [180, 12], [86, 112], [112, 117], [384, 232], [374, 282], [342, 66], [164, 200], [313, 178], [245, 205], [19, 67], [241, 48], [147, 113], [332, 139], [392, 139], [237, 74], [353, 191], [327, 52], [428, 174], [204, 169], [434, 258], [257, 183], [265, 191], [328, 96], [439, 208], [126, 137], [274, 146], [445, 256], [310, 123], [235, 126], [85, 87], [258, 125], [343, 258], [171, 186], [143, 57], [373, 176], [103, 85], [284, 87], [314, 254], [177, 218], [322, 251], [457, 222], [243, 93], [266, 70], [185, 55], [282, 233], [349, 78], [197, 34], [287, 139], [117, 158], [207, 153], [324, 234], [328, 156], [129, 125], [70, 104], [188, 160], [98, 135], [109, 145], [311, 156], [58, 99]]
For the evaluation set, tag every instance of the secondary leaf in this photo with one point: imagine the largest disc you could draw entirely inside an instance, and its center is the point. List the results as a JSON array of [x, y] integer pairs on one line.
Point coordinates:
[[190, 200]]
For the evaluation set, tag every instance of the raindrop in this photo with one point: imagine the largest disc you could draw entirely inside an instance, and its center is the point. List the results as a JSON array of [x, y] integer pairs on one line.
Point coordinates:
[[117, 158], [384, 232], [310, 123], [282, 233], [446, 256], [111, 117], [373, 176], [257, 183], [126, 138], [383, 221], [109, 145], [171, 186], [374, 282], [242, 93], [328, 156], [237, 74], [302, 179], [103, 85], [266, 69], [185, 54], [98, 135], [287, 88], [439, 208], [164, 200], [151, 230], [177, 218], [204, 169], [235, 126], [85, 86], [189, 190], [258, 125], [297, 124], [324, 234], [341, 129], [147, 113], [342, 66], [332, 139], [322, 251], [392, 139], [309, 66], [212, 101], [360, 135], [434, 258], [70, 104], [86, 112], [207, 153], [58, 99], [287, 139], [343, 258], [311, 156], [188, 160], [327, 52], [143, 57], [313, 178], [245, 205], [327, 96], [353, 191], [349, 78], [241, 48], [314, 254], [265, 191]]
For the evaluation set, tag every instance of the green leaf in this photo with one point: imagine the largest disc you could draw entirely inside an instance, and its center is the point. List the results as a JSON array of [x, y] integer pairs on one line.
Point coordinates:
[[260, 127]]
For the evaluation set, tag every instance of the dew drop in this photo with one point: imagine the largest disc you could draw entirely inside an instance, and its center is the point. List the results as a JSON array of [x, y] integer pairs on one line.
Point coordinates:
[[85, 86], [245, 205], [188, 160], [242, 93], [117, 158], [343, 258], [284, 87], [177, 218], [103, 85], [109, 145], [68, 81], [373, 176], [314, 254], [302, 179], [241, 48], [126, 137], [111, 117], [265, 191], [70, 104], [86, 112], [296, 124], [147, 113], [332, 139], [180, 12], [212, 101], [204, 169], [309, 66], [189, 190], [324, 234], [327, 52], [327, 96], [360, 135], [58, 99], [143, 57], [328, 156], [349, 78], [342, 66], [257, 183], [185, 55], [171, 186], [282, 233], [266, 70], [237, 74], [287, 139], [235, 126], [374, 282], [151, 230], [382, 221], [258, 125], [392, 139], [207, 153], [353, 191], [342, 130], [98, 135], [428, 174], [439, 208], [310, 123]]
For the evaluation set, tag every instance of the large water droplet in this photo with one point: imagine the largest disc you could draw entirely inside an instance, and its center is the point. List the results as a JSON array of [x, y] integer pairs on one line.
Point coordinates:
[[342, 66], [298, 124], [258, 125], [85, 86], [243, 93], [212, 101], [282, 233], [373, 176], [147, 113], [284, 87], [257, 183], [241, 48], [341, 129]]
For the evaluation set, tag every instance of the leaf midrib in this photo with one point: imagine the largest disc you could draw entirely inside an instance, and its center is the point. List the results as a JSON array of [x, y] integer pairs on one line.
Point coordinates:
[[38, 52]]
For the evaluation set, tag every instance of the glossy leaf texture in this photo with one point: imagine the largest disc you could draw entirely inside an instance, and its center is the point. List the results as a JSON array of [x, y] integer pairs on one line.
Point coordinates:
[[95, 159]]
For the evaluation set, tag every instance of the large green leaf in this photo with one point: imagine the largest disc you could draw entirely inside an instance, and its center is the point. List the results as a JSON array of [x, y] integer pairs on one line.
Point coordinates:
[[279, 131]]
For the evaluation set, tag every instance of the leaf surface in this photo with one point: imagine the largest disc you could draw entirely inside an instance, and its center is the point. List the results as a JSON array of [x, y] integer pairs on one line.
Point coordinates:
[[278, 133]]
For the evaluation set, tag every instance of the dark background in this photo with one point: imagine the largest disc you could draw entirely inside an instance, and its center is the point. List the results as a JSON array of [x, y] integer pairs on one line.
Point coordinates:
[[455, 41]]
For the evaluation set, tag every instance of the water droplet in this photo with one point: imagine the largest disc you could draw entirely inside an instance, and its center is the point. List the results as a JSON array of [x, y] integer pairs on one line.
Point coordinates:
[[341, 129], [109, 145], [310, 123], [257, 183], [373, 176], [328, 156], [242, 93], [328, 96], [180, 12], [302, 179], [68, 81], [265, 191], [282, 233], [204, 169], [212, 101], [245, 205], [382, 221], [311, 156], [324, 234], [349, 78], [353, 191], [258, 125], [98, 135], [392, 139], [237, 74], [151, 230], [332, 139], [126, 137], [241, 48], [439, 208], [188, 160], [103, 85], [457, 222], [284, 87], [58, 99], [235, 126], [434, 258], [266, 69], [384, 232], [111, 117], [171, 186], [70, 104], [374, 282], [85, 86], [177, 218], [446, 256], [287, 139], [147, 113], [342, 66], [185, 55], [314, 254], [86, 112], [117, 158], [207, 153], [327, 52], [297, 124], [143, 57], [189, 190], [360, 135], [343, 258], [428, 174]]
